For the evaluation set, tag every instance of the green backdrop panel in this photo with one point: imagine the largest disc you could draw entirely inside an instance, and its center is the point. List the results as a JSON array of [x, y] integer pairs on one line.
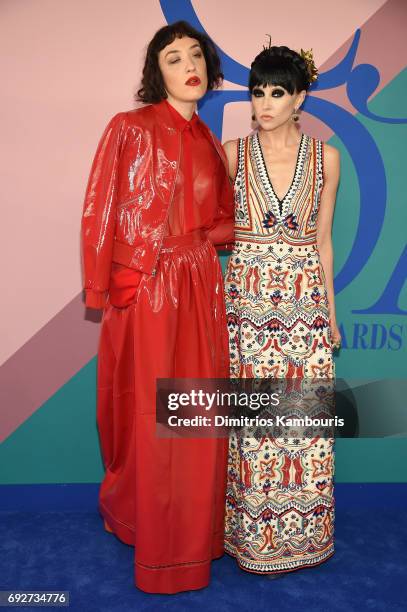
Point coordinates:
[[59, 442]]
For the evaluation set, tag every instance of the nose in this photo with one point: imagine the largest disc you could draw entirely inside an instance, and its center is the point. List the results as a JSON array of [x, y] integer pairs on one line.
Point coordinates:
[[267, 103], [190, 65]]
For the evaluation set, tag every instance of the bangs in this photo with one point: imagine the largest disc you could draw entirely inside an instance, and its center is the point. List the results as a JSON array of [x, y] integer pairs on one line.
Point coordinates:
[[177, 30], [277, 72]]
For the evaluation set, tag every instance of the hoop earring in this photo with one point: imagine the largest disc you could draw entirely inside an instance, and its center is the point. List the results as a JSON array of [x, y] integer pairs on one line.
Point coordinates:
[[295, 116]]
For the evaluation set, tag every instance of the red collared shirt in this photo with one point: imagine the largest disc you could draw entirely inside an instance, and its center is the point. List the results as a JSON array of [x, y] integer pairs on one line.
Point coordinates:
[[196, 194]]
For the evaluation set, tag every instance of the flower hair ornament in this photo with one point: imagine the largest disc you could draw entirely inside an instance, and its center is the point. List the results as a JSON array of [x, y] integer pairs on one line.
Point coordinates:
[[308, 58]]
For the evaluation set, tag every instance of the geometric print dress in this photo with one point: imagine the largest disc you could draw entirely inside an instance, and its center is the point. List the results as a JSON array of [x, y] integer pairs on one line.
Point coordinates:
[[280, 504]]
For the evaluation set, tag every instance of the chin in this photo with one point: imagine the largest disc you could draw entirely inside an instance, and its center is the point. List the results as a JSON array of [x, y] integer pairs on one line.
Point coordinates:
[[269, 126], [196, 94]]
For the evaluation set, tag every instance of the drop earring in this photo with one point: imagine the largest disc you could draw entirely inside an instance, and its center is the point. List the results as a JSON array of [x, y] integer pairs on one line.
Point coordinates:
[[295, 116]]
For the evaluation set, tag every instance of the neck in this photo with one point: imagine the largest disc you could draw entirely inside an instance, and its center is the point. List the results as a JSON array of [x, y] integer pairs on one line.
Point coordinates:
[[186, 109], [283, 136]]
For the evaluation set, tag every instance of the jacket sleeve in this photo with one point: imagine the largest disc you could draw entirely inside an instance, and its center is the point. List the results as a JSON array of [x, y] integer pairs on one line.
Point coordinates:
[[98, 218]]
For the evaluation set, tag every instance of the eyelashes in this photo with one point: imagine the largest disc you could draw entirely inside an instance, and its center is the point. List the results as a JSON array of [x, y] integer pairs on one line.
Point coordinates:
[[197, 55], [278, 92]]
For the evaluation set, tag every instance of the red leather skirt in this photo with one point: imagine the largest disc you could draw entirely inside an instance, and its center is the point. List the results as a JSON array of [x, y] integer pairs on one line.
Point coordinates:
[[164, 496]]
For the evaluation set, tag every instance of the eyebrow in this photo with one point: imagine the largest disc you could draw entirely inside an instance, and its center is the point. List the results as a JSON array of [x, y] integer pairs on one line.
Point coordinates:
[[178, 51]]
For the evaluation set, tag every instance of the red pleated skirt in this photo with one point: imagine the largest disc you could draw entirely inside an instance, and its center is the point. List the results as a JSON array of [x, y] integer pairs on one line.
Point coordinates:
[[164, 496]]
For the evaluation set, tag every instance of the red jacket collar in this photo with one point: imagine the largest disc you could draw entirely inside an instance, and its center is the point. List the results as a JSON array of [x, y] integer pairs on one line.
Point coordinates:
[[166, 117]]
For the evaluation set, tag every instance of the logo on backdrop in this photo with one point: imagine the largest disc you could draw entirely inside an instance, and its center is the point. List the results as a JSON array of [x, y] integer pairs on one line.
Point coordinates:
[[361, 82]]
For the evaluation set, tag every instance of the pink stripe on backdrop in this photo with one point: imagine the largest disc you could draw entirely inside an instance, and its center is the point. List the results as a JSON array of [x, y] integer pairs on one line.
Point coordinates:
[[45, 363], [63, 346]]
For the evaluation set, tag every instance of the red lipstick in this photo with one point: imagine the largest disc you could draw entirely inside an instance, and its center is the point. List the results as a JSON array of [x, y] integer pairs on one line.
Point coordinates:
[[193, 81]]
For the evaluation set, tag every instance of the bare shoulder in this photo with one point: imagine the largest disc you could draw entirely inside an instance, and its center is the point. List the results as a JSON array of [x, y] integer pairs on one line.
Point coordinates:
[[331, 154], [230, 148], [332, 162]]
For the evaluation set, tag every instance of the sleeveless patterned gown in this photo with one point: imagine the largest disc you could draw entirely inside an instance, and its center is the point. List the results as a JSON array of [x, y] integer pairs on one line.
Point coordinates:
[[279, 505]]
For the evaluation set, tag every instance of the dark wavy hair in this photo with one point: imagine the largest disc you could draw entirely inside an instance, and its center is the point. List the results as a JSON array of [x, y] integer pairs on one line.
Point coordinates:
[[279, 66], [152, 84]]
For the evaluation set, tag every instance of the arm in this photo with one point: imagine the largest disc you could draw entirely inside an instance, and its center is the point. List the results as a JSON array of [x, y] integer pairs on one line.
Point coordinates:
[[99, 211], [222, 234], [230, 148], [324, 228]]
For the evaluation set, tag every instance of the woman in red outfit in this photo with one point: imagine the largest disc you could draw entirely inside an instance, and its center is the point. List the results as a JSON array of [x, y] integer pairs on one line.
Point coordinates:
[[158, 200]]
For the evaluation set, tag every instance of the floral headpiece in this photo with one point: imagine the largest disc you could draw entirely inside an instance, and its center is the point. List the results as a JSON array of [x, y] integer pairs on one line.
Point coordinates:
[[308, 58]]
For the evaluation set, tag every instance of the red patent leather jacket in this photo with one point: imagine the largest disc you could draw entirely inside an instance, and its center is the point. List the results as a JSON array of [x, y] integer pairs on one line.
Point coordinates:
[[129, 192]]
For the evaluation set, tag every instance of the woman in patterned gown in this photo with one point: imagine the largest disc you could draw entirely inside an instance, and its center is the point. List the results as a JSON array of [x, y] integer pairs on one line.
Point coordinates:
[[281, 318]]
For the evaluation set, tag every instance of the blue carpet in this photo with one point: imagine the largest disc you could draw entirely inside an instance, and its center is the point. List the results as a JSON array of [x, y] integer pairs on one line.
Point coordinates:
[[68, 549]]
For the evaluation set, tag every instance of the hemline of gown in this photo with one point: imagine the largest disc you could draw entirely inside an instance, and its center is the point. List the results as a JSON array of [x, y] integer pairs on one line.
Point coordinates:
[[170, 579], [326, 556]]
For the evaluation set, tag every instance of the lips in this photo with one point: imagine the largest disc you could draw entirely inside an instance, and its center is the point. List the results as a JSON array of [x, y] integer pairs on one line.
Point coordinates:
[[266, 117], [193, 81]]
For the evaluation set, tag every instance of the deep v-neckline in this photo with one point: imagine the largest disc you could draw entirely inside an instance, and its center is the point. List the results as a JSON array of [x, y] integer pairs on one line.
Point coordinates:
[[283, 202]]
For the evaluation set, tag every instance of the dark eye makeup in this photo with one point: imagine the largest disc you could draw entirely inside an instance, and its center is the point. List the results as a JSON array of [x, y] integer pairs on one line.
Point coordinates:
[[277, 92]]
